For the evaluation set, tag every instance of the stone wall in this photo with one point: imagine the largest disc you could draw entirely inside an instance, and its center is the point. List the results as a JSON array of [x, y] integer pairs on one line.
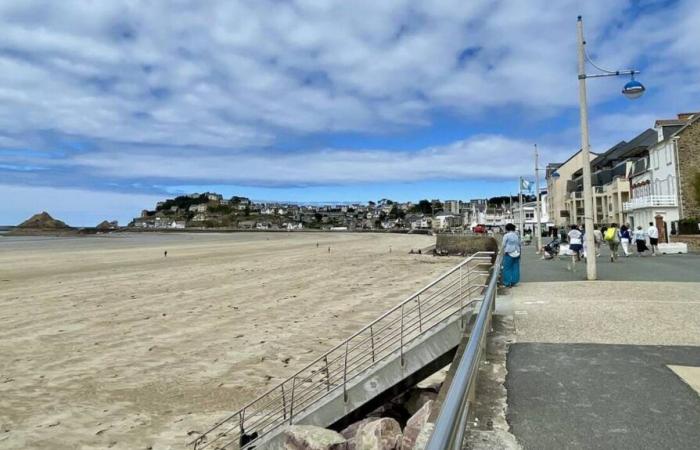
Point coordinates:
[[693, 241], [464, 244], [689, 165]]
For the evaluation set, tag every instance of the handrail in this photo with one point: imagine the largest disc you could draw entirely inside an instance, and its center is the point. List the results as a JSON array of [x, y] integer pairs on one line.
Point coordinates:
[[384, 335], [451, 422]]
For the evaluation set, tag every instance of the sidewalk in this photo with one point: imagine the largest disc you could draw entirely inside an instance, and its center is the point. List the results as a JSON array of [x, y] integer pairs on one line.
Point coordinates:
[[680, 268], [593, 363]]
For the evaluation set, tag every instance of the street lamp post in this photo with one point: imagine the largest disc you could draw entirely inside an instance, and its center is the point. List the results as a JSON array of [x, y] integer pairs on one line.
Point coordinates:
[[537, 202], [633, 89]]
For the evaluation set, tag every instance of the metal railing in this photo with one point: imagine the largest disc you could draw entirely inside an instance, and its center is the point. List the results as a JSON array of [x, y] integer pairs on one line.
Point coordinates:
[[451, 422], [650, 201], [446, 298]]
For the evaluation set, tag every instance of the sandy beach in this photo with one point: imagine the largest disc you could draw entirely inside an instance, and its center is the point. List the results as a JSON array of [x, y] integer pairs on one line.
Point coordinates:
[[107, 343]]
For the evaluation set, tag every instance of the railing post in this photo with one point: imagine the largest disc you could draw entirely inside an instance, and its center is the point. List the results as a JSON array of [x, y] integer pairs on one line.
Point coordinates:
[[420, 315], [291, 402], [371, 335], [345, 373], [241, 418], [328, 375], [461, 300], [284, 404], [402, 361]]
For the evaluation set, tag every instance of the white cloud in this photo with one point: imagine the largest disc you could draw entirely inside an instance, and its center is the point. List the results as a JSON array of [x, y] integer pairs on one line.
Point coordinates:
[[494, 157]]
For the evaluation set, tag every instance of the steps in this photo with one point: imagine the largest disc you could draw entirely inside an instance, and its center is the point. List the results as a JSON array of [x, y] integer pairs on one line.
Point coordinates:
[[400, 344]]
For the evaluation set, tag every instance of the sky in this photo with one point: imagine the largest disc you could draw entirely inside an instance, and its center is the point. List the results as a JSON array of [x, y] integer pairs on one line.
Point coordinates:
[[109, 107]]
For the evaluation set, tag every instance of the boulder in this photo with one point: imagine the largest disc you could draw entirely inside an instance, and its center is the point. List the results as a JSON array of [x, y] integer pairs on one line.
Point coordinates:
[[381, 434], [414, 426], [351, 430], [424, 436], [309, 437]]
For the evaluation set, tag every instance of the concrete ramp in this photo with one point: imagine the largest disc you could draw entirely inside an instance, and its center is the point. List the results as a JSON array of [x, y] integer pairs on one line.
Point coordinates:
[[412, 339]]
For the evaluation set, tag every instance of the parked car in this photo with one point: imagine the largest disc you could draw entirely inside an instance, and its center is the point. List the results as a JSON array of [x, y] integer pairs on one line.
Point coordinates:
[[480, 228]]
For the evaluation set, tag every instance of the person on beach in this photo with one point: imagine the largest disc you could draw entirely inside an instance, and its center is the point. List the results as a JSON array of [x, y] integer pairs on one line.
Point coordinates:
[[625, 239], [653, 234], [511, 256], [612, 237], [640, 240]]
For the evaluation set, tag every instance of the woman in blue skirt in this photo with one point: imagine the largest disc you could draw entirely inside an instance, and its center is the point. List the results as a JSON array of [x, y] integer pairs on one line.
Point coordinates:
[[511, 256]]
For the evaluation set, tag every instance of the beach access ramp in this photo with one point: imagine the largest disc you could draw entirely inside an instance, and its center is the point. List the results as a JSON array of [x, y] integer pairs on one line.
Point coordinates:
[[405, 344]]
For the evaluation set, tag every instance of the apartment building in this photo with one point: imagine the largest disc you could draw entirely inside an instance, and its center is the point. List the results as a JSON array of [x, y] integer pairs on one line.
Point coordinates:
[[658, 180]]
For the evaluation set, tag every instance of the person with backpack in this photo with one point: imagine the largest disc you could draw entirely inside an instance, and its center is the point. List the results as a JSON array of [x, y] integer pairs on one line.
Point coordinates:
[[612, 237]]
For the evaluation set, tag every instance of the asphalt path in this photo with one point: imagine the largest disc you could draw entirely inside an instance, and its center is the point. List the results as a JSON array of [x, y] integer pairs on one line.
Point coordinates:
[[596, 396], [680, 268]]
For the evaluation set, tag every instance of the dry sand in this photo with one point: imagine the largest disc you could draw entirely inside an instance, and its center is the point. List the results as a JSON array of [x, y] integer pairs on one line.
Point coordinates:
[[106, 343]]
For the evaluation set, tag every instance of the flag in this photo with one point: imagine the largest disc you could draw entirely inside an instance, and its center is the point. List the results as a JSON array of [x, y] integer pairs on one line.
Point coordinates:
[[525, 185]]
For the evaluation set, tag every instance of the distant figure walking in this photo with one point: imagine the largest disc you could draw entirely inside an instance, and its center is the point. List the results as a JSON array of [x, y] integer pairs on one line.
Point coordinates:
[[598, 238], [653, 234], [390, 249], [640, 240], [511, 256], [625, 239], [316, 244], [612, 237], [575, 242], [329, 249], [165, 254]]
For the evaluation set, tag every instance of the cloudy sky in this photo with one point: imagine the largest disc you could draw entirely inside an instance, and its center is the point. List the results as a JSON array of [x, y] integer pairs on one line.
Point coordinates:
[[109, 106]]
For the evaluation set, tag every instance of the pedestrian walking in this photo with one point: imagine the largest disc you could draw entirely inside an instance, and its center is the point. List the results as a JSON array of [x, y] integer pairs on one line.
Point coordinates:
[[612, 237], [598, 239], [640, 240], [511, 256], [575, 238], [653, 234], [625, 239]]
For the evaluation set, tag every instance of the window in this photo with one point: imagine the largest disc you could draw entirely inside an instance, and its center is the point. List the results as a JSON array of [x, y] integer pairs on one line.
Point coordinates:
[[656, 160], [669, 155]]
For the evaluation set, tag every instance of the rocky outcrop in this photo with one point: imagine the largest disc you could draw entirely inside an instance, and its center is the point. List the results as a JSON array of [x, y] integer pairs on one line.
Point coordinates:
[[43, 221], [414, 426], [381, 434], [309, 437]]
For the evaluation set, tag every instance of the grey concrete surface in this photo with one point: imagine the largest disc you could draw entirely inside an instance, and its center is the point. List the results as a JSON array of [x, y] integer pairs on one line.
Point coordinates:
[[676, 268], [607, 312], [593, 396]]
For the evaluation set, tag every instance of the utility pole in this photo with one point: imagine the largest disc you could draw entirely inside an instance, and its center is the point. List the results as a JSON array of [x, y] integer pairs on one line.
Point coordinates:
[[537, 201], [591, 266], [520, 209]]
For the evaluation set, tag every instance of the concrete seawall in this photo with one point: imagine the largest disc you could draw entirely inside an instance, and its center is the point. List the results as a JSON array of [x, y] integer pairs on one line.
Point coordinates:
[[464, 244]]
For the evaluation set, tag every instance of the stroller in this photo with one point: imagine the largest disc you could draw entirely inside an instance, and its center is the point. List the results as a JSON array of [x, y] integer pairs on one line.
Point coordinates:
[[552, 249]]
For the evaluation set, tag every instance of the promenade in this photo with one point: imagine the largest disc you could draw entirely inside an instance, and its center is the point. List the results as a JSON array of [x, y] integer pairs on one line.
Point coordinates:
[[610, 364]]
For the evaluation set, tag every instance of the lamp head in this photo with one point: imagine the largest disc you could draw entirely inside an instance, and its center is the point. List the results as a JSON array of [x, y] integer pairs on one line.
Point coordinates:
[[633, 89]]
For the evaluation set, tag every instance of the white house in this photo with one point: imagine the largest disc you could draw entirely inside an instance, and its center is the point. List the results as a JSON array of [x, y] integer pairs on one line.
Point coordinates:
[[654, 181]]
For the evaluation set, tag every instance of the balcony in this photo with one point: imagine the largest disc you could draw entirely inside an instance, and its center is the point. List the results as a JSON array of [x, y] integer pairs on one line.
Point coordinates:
[[650, 201]]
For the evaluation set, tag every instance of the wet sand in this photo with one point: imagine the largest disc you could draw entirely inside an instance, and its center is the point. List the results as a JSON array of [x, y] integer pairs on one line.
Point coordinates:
[[106, 343]]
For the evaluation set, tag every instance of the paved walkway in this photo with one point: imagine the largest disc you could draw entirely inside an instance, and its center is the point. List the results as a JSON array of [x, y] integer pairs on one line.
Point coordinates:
[[681, 268], [590, 364]]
